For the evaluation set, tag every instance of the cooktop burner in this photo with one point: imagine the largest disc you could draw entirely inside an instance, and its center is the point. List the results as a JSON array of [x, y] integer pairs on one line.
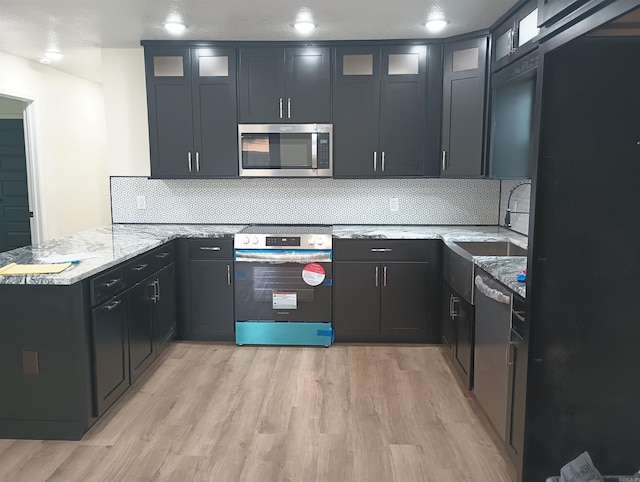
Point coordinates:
[[291, 229]]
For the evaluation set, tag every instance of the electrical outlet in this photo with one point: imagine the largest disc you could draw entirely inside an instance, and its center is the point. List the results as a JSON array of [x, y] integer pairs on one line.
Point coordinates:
[[394, 204], [141, 202]]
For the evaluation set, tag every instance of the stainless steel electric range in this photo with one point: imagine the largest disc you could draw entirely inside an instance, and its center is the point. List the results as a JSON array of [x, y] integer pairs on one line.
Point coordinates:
[[283, 283]]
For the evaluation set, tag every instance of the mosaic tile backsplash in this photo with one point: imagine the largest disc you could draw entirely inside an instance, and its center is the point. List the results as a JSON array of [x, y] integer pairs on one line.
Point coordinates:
[[306, 201]]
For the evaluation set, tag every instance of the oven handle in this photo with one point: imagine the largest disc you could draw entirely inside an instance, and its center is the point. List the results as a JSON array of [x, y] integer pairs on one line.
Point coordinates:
[[282, 256]]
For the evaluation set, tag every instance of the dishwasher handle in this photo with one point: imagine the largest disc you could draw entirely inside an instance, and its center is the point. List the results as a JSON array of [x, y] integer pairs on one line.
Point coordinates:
[[492, 293]]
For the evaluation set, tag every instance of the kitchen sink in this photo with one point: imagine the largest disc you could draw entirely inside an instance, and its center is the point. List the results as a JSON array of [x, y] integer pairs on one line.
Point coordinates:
[[491, 248]]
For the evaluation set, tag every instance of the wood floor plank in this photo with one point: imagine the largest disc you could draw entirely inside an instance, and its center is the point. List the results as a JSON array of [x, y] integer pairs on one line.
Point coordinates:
[[218, 412]]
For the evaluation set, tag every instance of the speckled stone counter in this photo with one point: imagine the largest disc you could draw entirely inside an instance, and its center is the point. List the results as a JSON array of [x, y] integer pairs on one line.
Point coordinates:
[[117, 243], [111, 245]]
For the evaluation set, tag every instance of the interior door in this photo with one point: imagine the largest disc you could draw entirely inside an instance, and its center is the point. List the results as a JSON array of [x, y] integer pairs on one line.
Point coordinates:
[[15, 229]]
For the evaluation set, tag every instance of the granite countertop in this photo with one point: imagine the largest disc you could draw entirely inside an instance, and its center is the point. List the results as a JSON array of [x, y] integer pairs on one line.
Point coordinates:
[[111, 245], [117, 243]]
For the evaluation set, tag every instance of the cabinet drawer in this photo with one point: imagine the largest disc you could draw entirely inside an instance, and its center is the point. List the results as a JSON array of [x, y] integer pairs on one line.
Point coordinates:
[[383, 250], [162, 256], [138, 269], [106, 285], [211, 248]]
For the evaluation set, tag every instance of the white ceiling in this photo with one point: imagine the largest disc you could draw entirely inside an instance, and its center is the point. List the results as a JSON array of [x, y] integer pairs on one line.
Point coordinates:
[[80, 28]]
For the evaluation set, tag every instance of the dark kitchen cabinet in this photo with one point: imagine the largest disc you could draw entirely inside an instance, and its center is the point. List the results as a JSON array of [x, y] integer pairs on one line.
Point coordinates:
[[550, 11], [379, 111], [191, 101], [463, 108], [458, 332], [205, 289], [386, 291], [290, 84], [165, 308], [110, 352], [516, 36], [141, 346]]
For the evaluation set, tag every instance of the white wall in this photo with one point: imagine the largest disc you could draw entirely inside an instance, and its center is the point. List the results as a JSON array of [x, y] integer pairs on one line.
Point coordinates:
[[70, 144], [126, 112]]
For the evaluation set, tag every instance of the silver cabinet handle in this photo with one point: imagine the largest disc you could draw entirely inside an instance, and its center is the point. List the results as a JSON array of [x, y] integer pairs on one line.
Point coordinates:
[[454, 300], [444, 160], [162, 255], [210, 248], [113, 305], [289, 108], [229, 275], [384, 276], [140, 267], [189, 158], [158, 285], [510, 351], [450, 306], [156, 295], [382, 161], [375, 161], [197, 161], [381, 250], [377, 276], [110, 283], [280, 107]]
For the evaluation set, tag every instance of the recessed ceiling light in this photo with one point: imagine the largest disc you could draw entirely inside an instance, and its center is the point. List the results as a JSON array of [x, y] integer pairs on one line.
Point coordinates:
[[436, 25], [304, 27], [175, 27], [53, 54], [44, 60]]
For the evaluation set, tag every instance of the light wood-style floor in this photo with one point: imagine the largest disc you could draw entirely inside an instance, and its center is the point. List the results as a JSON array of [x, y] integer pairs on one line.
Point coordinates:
[[215, 412]]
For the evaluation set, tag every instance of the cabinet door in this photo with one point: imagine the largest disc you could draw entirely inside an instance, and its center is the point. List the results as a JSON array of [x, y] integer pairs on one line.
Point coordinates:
[[169, 105], [215, 117], [403, 111], [447, 320], [463, 108], [110, 352], [356, 298], [464, 331], [308, 85], [503, 44], [356, 112], [403, 303], [518, 359], [165, 307], [262, 97], [141, 345], [212, 315]]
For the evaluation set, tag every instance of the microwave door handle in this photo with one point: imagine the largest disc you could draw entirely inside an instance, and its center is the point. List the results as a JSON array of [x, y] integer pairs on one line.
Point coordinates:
[[314, 150]]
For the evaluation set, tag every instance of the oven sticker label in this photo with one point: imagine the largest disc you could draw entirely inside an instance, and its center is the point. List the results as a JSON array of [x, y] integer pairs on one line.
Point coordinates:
[[285, 300], [313, 274]]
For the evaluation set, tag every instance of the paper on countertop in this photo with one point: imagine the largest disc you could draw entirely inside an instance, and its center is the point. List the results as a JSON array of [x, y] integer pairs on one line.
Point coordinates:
[[66, 258], [21, 269]]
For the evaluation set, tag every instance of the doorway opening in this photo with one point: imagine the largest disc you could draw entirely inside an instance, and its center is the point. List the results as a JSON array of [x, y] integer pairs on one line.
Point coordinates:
[[19, 224]]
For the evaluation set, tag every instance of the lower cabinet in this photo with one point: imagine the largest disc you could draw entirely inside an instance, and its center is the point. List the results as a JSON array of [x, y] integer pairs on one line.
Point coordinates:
[[205, 289], [110, 352], [141, 349], [394, 299], [458, 332], [165, 308]]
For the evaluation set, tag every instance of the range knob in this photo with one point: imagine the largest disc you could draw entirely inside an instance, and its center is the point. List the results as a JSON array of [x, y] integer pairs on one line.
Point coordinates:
[[320, 241], [254, 240], [245, 240], [310, 240]]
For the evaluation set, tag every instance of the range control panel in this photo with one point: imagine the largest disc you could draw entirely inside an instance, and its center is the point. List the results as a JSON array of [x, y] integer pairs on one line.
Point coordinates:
[[279, 241]]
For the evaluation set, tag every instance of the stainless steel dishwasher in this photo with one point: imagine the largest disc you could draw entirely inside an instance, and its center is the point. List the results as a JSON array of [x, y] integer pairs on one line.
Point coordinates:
[[491, 356]]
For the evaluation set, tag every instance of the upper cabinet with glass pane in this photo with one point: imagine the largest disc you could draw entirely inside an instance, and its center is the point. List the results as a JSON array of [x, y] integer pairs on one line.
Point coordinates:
[[515, 36]]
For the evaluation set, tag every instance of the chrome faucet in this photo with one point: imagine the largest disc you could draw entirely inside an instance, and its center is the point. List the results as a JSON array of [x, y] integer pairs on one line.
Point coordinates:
[[507, 216]]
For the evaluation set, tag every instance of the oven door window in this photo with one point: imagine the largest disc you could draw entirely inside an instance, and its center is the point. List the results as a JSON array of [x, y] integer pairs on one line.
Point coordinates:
[[278, 292], [276, 151]]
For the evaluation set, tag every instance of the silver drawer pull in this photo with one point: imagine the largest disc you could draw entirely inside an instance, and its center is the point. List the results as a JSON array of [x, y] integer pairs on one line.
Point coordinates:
[[377, 276], [162, 255], [113, 305], [384, 276], [229, 275], [139, 268], [109, 284], [210, 248], [381, 250]]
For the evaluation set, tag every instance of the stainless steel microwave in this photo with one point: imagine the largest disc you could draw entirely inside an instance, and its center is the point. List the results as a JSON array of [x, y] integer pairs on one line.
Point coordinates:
[[285, 150]]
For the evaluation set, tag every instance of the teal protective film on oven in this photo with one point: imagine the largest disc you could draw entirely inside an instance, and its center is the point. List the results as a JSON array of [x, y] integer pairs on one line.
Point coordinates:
[[283, 333]]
